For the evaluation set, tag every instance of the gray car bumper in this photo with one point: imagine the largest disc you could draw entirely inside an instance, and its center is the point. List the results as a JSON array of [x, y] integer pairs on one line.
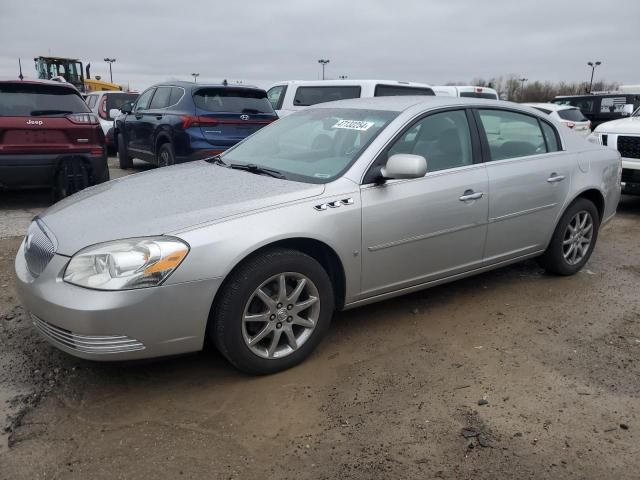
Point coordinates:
[[122, 325]]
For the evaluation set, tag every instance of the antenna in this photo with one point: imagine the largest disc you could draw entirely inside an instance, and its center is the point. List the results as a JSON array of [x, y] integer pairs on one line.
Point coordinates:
[[21, 77]]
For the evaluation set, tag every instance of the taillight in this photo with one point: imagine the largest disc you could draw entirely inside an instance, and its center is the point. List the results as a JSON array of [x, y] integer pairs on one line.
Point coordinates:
[[83, 118], [189, 121], [570, 124], [102, 110]]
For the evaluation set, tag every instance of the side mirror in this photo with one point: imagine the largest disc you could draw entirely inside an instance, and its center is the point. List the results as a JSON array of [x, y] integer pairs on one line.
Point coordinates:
[[404, 165], [627, 109], [113, 113], [126, 107]]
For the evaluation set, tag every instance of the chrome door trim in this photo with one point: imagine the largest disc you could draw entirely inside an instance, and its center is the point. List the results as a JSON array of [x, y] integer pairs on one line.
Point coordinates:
[[522, 212], [396, 243]]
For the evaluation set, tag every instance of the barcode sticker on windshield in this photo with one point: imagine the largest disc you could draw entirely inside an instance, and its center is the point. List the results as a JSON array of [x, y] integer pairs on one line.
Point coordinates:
[[354, 125]]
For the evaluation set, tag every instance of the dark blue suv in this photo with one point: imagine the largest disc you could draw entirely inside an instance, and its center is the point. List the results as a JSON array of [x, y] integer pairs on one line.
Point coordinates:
[[183, 121]]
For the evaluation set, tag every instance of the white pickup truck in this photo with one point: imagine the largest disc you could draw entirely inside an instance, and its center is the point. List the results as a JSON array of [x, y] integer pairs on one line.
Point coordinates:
[[623, 135]]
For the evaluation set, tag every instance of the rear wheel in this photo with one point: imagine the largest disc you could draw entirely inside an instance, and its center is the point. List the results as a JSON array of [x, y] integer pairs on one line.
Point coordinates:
[[166, 156], [573, 240], [273, 311], [72, 175], [123, 156]]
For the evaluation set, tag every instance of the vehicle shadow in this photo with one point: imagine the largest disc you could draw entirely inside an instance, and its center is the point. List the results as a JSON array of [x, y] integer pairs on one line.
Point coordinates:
[[629, 204]]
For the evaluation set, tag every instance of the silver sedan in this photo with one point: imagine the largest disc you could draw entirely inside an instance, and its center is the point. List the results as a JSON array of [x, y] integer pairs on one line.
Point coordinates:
[[340, 205]]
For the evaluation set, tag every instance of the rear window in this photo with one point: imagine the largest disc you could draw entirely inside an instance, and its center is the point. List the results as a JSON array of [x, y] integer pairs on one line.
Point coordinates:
[[572, 114], [232, 100], [490, 96], [24, 100], [306, 96], [115, 100], [397, 91]]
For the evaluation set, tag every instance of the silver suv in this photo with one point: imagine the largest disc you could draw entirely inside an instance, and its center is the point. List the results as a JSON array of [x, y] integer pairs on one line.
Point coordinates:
[[336, 206]]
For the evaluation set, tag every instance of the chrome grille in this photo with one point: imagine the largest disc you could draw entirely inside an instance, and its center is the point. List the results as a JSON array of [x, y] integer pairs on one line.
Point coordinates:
[[98, 344], [39, 248]]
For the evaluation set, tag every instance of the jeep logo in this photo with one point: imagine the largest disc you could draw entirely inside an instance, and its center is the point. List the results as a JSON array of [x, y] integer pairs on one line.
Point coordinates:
[[39, 123]]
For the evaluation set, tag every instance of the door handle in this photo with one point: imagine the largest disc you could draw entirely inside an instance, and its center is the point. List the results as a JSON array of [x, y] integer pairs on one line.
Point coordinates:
[[554, 178], [470, 195], [158, 117]]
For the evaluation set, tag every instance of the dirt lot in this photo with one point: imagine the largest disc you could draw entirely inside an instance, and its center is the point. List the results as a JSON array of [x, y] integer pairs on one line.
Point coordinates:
[[393, 392]]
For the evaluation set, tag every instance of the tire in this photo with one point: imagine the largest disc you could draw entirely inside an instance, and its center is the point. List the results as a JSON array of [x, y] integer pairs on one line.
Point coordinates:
[[165, 156], [562, 256], [124, 158], [72, 175], [239, 298]]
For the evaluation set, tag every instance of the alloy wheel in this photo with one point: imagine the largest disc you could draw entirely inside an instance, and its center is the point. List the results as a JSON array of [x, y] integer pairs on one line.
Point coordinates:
[[577, 237], [280, 315]]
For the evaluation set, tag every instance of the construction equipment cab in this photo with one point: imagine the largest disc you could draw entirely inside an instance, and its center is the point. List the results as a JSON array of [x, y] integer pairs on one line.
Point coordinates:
[[291, 96]]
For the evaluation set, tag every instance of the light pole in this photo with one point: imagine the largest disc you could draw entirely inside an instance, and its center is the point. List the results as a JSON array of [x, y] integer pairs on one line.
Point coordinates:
[[110, 61], [522, 80], [195, 76], [323, 62], [593, 69]]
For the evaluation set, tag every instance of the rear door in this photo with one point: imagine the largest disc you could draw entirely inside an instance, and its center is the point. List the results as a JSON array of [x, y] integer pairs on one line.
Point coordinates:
[[227, 115], [529, 180]]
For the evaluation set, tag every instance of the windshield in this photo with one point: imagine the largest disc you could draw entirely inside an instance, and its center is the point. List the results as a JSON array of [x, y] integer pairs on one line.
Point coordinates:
[[315, 145]]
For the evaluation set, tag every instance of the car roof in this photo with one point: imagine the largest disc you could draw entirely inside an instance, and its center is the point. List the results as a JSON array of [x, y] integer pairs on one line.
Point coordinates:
[[185, 84], [34, 81], [349, 82], [554, 107], [401, 103]]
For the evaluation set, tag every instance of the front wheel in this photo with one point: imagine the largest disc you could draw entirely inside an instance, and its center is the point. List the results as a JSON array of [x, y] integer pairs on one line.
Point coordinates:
[[273, 311], [573, 240]]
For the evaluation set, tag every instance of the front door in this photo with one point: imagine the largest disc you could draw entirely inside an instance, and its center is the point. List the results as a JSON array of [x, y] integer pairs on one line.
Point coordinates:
[[419, 230], [135, 131], [529, 180]]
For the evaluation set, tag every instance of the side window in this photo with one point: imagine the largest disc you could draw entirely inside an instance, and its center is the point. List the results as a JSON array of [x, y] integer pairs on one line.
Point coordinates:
[[161, 98], [306, 96], [176, 95], [399, 90], [550, 136], [443, 139], [144, 99], [276, 96], [512, 135]]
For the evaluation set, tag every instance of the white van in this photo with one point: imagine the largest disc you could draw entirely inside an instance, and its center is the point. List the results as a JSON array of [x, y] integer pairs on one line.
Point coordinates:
[[291, 96], [466, 91]]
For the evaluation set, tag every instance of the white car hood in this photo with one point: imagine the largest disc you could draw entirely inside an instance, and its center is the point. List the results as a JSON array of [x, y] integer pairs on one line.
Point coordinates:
[[623, 126]]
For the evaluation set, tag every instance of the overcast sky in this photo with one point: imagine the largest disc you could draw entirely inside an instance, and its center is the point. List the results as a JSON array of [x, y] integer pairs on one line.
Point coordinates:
[[262, 41]]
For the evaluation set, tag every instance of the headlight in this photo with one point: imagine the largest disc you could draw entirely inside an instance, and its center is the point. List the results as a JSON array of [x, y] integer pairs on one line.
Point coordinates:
[[126, 264], [595, 138]]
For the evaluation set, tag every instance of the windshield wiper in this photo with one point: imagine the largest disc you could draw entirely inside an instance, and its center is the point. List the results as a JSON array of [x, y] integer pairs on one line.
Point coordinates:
[[253, 168], [35, 113], [217, 159]]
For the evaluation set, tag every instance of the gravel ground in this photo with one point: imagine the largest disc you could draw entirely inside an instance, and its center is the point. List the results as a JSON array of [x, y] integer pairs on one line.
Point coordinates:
[[511, 374]]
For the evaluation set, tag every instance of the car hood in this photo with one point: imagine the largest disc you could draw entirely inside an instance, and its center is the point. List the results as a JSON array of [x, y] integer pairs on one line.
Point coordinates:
[[165, 200], [621, 127]]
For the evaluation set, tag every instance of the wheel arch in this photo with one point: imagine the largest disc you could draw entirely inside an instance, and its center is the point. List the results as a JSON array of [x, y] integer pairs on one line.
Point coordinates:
[[592, 194], [162, 138]]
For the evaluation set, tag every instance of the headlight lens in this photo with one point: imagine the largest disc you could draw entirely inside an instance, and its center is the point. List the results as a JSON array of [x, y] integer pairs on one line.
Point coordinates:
[[126, 264]]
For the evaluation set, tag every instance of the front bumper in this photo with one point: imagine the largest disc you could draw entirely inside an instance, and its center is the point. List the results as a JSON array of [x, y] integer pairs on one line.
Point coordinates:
[[121, 325], [631, 176], [38, 170]]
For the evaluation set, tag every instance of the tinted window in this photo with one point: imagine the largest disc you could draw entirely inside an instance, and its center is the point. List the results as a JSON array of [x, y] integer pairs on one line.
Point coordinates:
[[144, 99], [396, 91], [32, 99], [306, 96], [573, 115], [490, 96], [236, 100], [550, 136], [161, 98], [115, 100], [276, 96], [584, 104], [176, 95], [443, 139], [512, 135]]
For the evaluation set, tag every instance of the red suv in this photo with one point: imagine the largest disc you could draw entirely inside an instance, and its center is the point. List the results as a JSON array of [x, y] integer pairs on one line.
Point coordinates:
[[49, 138]]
